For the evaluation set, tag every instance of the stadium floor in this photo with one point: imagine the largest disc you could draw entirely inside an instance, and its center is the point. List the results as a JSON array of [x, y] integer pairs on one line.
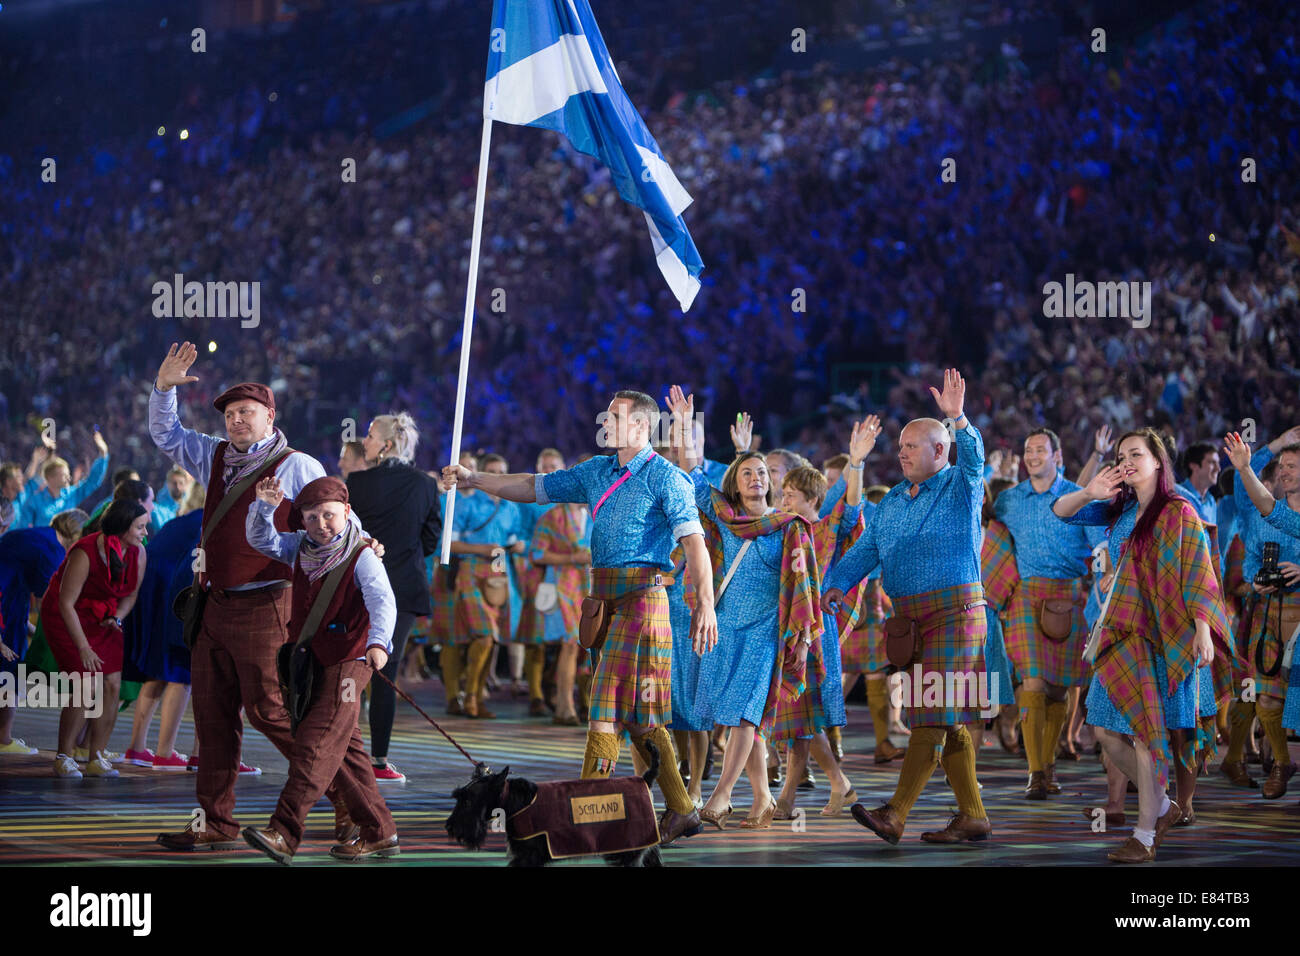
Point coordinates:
[[52, 822]]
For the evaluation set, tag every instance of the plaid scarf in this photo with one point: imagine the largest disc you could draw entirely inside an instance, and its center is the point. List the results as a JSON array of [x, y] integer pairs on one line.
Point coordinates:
[[826, 540], [318, 559], [998, 567], [1158, 597], [800, 602], [237, 465]]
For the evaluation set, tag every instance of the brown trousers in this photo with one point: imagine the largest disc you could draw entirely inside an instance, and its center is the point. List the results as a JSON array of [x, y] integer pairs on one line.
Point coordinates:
[[233, 666], [328, 747]]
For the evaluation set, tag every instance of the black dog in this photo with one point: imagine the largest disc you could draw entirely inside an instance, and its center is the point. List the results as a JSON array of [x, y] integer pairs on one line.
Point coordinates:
[[477, 800]]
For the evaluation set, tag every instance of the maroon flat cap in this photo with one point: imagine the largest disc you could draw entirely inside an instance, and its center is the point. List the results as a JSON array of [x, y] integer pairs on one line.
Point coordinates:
[[254, 390], [319, 491]]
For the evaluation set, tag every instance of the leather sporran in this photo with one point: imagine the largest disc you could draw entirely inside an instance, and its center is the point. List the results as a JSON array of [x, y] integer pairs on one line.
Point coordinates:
[[495, 590], [299, 673], [902, 641], [594, 623], [1056, 619], [188, 606]]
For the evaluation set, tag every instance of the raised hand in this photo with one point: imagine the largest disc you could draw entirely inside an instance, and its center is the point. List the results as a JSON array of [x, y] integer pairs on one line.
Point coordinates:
[[994, 461], [101, 444], [683, 408], [1238, 451], [1105, 483], [863, 439], [175, 367], [742, 433], [1103, 441], [953, 398], [1010, 467], [269, 490]]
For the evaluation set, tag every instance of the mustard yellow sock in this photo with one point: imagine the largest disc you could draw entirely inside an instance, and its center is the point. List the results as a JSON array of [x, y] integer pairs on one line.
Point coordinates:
[[878, 704], [959, 764], [1033, 726], [1241, 717], [834, 739], [1271, 720], [670, 780], [918, 764], [1053, 723], [534, 664], [451, 669], [601, 755], [479, 657]]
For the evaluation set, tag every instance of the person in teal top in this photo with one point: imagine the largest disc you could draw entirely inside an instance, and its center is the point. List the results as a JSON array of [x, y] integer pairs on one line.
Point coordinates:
[[167, 503], [39, 508]]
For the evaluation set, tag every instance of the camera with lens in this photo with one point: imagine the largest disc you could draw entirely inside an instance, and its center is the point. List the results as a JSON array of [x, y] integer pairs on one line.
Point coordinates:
[[1269, 576]]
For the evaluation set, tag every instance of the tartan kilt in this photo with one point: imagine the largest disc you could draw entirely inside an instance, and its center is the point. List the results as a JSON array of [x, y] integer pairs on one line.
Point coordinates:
[[952, 651], [529, 629], [473, 617], [633, 678], [806, 715], [441, 621], [1033, 655], [1276, 685], [1126, 672], [863, 648]]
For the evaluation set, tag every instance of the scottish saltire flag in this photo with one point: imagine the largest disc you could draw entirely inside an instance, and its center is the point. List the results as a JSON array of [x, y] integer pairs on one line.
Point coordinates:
[[548, 67]]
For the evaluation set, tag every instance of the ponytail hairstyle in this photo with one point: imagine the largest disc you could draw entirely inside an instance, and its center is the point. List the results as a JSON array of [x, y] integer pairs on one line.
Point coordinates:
[[398, 428], [1144, 530]]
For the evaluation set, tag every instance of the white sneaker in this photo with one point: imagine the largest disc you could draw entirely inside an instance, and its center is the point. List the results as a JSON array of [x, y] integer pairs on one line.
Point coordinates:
[[99, 767], [81, 754], [17, 748], [112, 756], [65, 766]]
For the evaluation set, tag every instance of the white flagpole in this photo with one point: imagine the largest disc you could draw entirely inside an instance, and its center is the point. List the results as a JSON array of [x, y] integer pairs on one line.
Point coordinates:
[[467, 331]]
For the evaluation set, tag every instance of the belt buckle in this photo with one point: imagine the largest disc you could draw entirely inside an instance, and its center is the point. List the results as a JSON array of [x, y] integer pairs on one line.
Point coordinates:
[[659, 579]]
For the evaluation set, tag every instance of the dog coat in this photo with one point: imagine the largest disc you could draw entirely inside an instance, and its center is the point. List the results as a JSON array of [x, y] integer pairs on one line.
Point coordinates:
[[586, 817]]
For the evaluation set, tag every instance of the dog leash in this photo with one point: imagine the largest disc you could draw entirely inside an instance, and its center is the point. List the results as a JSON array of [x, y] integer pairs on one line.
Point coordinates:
[[407, 697]]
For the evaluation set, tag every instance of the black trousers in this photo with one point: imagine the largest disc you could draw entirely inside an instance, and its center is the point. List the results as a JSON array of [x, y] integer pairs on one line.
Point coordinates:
[[383, 702]]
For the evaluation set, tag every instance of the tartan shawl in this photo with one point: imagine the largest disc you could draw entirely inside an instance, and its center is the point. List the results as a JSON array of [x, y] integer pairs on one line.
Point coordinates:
[[825, 533], [998, 566], [1158, 597], [800, 601], [556, 535]]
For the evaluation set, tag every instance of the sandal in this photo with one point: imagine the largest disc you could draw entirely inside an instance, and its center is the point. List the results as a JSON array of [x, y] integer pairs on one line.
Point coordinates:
[[784, 811], [717, 817], [838, 802], [761, 822]]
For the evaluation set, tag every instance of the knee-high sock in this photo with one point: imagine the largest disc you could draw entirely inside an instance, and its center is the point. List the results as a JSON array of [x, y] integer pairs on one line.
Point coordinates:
[[878, 704], [1241, 717], [670, 779], [959, 764], [1270, 718], [601, 754], [476, 672], [919, 763], [534, 664], [1054, 722], [1033, 726], [451, 668], [833, 738]]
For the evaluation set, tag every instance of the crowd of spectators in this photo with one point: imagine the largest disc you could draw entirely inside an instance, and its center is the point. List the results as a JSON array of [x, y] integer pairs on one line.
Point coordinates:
[[1108, 167]]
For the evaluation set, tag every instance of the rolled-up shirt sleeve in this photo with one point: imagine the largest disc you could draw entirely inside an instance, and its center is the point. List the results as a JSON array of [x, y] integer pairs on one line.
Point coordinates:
[[377, 592], [186, 447], [566, 485], [1092, 514], [857, 563], [678, 502], [259, 528], [1284, 519]]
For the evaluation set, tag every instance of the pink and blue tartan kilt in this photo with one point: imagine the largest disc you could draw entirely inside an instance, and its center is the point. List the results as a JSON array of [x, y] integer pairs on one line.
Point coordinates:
[[1031, 654], [862, 649], [952, 649], [474, 617], [442, 601], [632, 684]]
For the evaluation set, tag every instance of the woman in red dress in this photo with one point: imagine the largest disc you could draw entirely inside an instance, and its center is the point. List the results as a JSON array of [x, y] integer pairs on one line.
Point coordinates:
[[82, 610]]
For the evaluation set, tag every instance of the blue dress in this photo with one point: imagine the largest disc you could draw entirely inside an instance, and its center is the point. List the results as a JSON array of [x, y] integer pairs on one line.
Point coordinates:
[[996, 665], [155, 646], [28, 559], [1180, 706], [735, 676], [686, 663]]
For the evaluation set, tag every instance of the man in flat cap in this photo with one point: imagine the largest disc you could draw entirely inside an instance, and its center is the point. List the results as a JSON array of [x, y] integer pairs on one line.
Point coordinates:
[[248, 600]]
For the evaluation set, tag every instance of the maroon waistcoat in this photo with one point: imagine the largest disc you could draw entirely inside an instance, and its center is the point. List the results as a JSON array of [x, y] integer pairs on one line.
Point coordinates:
[[346, 625], [230, 560]]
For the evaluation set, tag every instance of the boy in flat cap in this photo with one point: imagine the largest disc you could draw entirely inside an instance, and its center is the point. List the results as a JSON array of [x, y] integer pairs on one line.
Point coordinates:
[[343, 611], [233, 657]]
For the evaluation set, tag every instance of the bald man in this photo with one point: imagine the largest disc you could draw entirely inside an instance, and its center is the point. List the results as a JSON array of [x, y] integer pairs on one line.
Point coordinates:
[[925, 535]]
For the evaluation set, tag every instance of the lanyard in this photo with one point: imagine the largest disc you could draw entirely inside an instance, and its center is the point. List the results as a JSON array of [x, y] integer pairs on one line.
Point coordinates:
[[614, 487]]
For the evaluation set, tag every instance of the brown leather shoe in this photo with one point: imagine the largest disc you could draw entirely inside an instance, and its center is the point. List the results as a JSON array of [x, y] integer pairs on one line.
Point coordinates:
[[1049, 775], [673, 825], [345, 829], [1187, 819], [1275, 785], [1036, 789], [886, 752], [271, 842], [1172, 815], [358, 849], [961, 829], [190, 841], [1131, 851], [1237, 774], [455, 708], [480, 709], [882, 821], [1112, 819], [537, 708]]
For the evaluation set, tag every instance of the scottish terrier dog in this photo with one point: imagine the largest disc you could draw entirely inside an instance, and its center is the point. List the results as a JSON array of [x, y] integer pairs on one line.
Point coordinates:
[[487, 792]]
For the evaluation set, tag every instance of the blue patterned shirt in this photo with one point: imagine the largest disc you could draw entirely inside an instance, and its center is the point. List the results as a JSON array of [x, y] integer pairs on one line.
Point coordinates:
[[1254, 529], [1093, 515], [1284, 519], [928, 542], [481, 520], [1045, 549], [1206, 507], [639, 523]]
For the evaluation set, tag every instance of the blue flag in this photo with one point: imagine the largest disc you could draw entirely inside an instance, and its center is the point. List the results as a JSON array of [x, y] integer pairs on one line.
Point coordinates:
[[548, 67]]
